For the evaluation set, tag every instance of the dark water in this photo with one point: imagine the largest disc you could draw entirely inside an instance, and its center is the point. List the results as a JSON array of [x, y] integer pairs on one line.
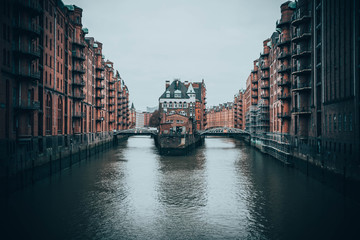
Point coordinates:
[[224, 190]]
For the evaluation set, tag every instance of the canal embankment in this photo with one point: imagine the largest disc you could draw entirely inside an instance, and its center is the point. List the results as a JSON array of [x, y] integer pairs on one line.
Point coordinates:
[[23, 165], [336, 169], [177, 144]]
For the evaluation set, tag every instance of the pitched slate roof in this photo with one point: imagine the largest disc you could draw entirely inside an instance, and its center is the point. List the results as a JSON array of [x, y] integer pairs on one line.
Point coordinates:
[[176, 85]]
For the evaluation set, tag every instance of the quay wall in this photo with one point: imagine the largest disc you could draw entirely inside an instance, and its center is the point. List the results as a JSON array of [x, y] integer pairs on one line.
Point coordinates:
[[23, 163], [336, 169], [177, 144]]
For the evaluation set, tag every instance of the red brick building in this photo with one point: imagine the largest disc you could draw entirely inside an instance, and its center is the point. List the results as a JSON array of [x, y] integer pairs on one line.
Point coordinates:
[[186, 99], [56, 88], [308, 78], [221, 116]]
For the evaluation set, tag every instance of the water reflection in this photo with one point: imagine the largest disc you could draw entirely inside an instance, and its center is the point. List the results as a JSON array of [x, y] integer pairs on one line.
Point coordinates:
[[222, 190]]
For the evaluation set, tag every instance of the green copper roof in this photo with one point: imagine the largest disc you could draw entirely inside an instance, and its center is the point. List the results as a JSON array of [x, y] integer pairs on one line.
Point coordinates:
[[85, 30], [292, 5], [70, 7]]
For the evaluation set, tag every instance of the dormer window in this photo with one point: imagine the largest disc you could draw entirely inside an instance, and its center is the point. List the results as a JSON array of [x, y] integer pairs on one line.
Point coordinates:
[[185, 105], [177, 93], [168, 94]]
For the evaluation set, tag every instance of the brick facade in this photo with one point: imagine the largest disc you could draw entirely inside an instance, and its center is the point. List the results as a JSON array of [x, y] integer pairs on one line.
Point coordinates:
[[56, 86]]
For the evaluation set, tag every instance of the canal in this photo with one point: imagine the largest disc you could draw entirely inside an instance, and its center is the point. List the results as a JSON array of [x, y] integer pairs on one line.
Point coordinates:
[[223, 190]]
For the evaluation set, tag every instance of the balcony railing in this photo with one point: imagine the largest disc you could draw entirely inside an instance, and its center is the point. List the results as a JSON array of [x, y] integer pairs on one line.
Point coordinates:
[[29, 29], [26, 51], [100, 68], [283, 55], [265, 95], [78, 95], [79, 69], [301, 86], [284, 41], [283, 115], [27, 75], [78, 82], [283, 83], [284, 96], [282, 22], [300, 36], [284, 69], [100, 86], [264, 85], [264, 66], [101, 96], [79, 43], [302, 70], [32, 6], [78, 55], [254, 71], [302, 110], [100, 77], [300, 17], [27, 105], [100, 105], [298, 53], [263, 54]]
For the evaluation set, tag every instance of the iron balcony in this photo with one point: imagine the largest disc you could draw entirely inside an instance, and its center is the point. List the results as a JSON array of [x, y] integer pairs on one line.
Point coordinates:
[[23, 51], [27, 105], [301, 86], [284, 115], [33, 30], [301, 111]]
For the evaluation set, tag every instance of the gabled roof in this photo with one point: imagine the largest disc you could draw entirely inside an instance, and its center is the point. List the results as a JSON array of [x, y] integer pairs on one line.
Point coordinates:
[[176, 85], [198, 91]]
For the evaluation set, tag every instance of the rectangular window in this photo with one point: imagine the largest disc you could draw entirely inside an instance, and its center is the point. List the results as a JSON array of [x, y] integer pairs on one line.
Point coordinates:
[[329, 122], [4, 56], [334, 122], [350, 122], [340, 123], [325, 120], [50, 64], [50, 44], [345, 127]]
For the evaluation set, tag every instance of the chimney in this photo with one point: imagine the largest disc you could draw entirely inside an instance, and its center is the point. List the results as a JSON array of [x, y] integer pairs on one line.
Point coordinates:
[[167, 84], [186, 83]]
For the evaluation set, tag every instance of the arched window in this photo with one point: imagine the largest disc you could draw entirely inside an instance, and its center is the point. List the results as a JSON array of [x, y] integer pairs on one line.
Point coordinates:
[[60, 115], [48, 112]]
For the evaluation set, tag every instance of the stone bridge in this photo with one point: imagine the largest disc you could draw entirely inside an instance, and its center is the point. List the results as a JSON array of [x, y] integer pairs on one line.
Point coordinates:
[[218, 131], [223, 131], [137, 132]]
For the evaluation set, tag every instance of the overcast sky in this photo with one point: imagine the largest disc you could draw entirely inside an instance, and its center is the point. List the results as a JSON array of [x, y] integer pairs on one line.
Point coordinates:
[[151, 41]]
